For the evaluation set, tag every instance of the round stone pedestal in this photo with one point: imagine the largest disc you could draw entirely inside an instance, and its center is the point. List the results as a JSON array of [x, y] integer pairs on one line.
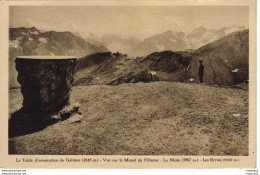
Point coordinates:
[[45, 82]]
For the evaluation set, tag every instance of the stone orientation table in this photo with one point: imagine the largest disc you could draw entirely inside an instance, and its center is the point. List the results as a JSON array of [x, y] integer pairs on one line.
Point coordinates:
[[46, 82]]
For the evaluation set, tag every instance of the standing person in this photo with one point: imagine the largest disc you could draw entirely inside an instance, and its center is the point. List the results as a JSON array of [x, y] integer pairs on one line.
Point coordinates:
[[201, 71]]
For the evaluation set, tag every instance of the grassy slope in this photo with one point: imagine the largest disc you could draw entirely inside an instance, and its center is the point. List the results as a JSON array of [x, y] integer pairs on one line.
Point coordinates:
[[160, 118]]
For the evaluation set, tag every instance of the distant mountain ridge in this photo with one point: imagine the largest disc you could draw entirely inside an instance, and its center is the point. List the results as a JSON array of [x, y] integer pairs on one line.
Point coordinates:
[[33, 41], [179, 41], [168, 40], [202, 36]]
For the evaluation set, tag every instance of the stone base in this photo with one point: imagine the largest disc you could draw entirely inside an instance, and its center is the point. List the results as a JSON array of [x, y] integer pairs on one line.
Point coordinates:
[[45, 83]]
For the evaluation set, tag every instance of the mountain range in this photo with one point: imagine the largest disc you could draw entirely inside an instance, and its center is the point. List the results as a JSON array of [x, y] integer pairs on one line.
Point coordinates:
[[168, 40]]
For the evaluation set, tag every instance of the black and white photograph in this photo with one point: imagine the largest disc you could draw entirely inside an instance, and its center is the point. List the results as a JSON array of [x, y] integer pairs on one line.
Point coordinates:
[[129, 80]]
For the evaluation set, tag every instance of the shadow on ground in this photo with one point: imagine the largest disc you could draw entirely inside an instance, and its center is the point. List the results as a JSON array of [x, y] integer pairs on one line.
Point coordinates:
[[22, 123]]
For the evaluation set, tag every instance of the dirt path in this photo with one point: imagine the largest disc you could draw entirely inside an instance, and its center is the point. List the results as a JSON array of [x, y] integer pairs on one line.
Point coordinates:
[[159, 118]]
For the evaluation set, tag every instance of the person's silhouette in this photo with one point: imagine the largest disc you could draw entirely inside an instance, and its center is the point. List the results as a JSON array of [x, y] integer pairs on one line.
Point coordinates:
[[201, 71]]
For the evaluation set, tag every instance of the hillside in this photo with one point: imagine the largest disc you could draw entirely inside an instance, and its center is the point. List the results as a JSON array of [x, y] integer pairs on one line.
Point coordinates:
[[31, 41], [168, 65], [225, 61], [107, 68], [116, 68], [158, 118]]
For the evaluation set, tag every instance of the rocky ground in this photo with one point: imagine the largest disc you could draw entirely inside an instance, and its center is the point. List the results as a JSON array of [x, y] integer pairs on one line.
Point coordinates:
[[158, 118]]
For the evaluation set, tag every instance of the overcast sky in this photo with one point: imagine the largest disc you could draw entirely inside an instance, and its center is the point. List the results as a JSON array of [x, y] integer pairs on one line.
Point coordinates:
[[140, 22]]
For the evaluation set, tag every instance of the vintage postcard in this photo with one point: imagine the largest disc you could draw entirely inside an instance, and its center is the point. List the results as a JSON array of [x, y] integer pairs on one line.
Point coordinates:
[[128, 84]]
